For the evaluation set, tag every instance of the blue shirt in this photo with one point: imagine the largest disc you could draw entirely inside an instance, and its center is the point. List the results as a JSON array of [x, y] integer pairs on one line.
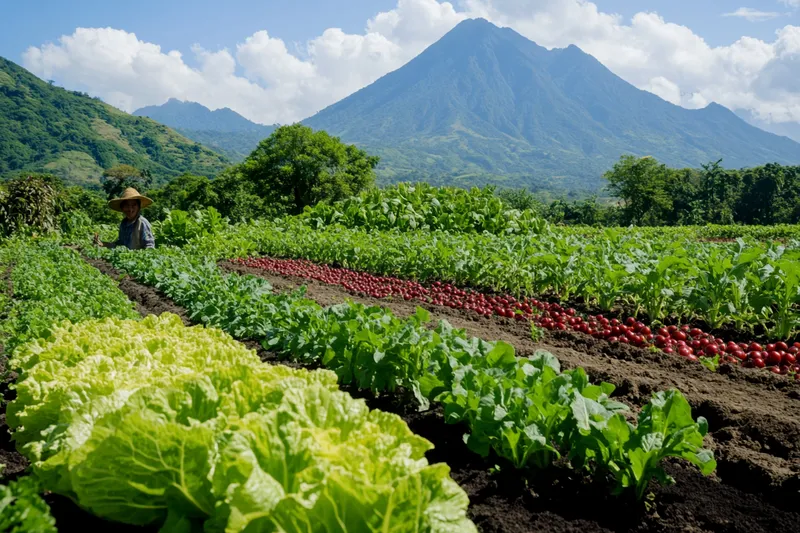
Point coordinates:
[[128, 239]]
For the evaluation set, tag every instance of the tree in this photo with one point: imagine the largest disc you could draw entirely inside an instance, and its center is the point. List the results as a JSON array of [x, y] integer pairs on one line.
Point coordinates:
[[120, 177], [186, 192], [307, 166], [641, 183]]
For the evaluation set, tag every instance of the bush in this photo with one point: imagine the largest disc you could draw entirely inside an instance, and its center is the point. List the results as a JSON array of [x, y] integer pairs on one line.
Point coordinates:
[[28, 205], [181, 226]]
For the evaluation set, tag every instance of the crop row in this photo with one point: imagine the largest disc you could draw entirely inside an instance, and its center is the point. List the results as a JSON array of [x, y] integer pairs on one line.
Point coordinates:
[[691, 343], [745, 286], [421, 206], [525, 409], [45, 285], [148, 422], [153, 423], [51, 284]]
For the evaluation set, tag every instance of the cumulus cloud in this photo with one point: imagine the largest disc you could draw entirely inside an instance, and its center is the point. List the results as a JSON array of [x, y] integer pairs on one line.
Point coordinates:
[[754, 15], [277, 85]]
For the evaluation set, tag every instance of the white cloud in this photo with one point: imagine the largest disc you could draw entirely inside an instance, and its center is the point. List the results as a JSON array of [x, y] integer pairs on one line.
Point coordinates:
[[754, 15], [664, 88], [791, 3], [278, 85]]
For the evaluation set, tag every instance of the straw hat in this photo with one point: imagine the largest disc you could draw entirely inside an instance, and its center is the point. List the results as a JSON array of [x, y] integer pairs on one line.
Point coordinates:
[[129, 194]]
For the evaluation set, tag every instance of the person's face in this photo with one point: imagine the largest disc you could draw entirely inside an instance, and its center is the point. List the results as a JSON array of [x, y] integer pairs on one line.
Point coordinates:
[[130, 209]]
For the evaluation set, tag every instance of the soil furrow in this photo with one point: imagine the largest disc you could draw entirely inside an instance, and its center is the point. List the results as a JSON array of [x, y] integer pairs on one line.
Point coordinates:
[[557, 500], [754, 416], [15, 463]]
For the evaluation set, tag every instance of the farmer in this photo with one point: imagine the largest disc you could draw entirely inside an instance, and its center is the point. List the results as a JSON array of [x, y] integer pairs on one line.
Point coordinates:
[[134, 230]]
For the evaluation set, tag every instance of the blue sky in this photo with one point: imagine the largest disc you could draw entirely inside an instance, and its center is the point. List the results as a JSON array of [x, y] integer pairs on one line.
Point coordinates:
[[274, 61], [178, 24]]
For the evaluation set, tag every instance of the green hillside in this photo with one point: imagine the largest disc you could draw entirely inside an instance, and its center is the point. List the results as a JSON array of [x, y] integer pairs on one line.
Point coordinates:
[[48, 129]]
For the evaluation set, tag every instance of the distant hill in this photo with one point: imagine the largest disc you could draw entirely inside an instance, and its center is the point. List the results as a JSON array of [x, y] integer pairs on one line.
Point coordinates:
[[48, 129], [223, 130], [485, 104]]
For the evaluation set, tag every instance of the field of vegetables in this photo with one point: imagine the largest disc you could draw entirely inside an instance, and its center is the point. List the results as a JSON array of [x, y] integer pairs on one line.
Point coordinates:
[[411, 360]]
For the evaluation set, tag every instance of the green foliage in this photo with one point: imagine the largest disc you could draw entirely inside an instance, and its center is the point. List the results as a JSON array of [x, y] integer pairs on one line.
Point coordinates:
[[186, 192], [51, 284], [525, 409], [660, 272], [419, 206], [307, 167], [520, 199], [22, 510], [120, 177], [28, 205], [186, 429], [181, 227], [634, 453], [91, 202], [46, 128], [653, 194]]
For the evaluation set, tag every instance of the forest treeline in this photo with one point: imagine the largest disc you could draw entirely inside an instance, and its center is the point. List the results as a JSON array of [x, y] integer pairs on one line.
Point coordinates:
[[297, 167]]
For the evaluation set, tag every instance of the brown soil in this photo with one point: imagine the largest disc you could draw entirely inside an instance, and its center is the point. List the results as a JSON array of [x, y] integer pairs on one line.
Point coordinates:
[[754, 416], [15, 463], [148, 300], [759, 436]]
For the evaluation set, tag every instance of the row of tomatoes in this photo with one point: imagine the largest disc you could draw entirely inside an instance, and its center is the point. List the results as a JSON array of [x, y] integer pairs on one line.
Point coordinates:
[[685, 341]]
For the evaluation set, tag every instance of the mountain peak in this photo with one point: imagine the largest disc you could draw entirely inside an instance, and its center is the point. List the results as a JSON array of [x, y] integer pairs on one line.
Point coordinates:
[[486, 101]]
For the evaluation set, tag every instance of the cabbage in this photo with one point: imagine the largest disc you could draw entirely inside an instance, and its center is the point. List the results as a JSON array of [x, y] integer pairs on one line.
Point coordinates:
[[153, 423]]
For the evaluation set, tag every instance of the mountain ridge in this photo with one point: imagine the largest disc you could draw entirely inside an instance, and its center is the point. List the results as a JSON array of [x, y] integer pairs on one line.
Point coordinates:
[[224, 130], [486, 100], [71, 135]]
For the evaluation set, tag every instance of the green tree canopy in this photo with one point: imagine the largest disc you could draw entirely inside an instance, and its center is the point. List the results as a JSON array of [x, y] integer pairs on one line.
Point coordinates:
[[307, 166], [641, 183], [117, 179]]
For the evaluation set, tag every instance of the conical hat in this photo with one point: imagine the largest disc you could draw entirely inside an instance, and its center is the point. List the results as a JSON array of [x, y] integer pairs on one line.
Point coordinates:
[[129, 194]]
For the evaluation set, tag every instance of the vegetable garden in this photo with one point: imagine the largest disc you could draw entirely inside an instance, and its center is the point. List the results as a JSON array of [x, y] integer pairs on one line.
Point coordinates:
[[378, 365]]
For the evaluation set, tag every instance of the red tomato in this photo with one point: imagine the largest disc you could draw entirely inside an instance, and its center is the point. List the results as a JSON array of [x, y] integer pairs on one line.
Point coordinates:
[[773, 358]]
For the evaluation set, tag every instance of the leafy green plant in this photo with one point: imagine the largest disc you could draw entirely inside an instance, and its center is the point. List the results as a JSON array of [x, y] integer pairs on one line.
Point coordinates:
[[186, 429], [52, 284], [711, 363], [524, 409], [180, 227], [22, 510], [419, 206], [663, 273]]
